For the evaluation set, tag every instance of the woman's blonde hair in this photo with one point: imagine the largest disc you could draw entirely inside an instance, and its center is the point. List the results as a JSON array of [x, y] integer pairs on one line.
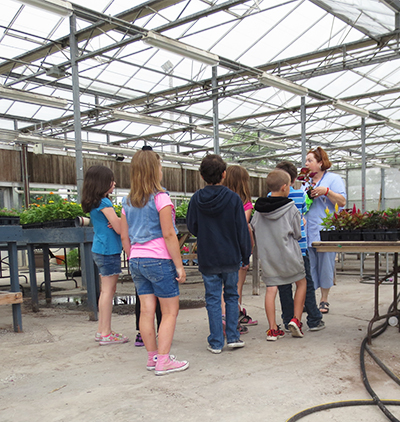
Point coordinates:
[[145, 177], [238, 179]]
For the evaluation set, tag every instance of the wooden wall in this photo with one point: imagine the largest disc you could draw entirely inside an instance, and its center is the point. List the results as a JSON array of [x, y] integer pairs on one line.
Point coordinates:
[[59, 169]]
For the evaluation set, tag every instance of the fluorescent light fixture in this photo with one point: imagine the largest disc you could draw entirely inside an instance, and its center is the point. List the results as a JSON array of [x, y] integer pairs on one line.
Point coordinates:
[[175, 157], [395, 124], [349, 108], [210, 132], [29, 97], [282, 84], [271, 144], [180, 48], [137, 118], [350, 159], [59, 7], [381, 165]]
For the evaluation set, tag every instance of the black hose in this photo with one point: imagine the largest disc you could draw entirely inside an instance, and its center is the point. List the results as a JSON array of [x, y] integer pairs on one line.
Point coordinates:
[[375, 399]]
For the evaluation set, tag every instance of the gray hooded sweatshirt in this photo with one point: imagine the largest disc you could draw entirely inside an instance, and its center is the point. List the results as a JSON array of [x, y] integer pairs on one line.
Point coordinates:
[[276, 226]]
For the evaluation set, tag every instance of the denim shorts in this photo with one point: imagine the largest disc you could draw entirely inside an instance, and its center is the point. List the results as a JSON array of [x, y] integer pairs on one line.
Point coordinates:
[[108, 265], [154, 276]]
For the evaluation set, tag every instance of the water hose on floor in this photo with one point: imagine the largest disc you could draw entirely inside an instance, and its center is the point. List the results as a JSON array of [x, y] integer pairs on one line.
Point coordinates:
[[375, 399]]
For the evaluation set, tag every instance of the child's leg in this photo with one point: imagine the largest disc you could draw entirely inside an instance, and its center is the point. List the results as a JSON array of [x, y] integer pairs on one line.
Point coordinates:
[[213, 288], [286, 299], [241, 280], [146, 324], [107, 290], [158, 314], [232, 311], [137, 310], [169, 311], [270, 295], [299, 298]]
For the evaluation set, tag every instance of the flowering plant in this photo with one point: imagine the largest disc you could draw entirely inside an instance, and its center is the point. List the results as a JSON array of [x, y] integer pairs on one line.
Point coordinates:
[[59, 210], [305, 176], [4, 212]]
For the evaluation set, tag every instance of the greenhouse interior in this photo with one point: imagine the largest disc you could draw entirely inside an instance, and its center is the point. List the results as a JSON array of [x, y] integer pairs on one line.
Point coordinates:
[[255, 81], [90, 82]]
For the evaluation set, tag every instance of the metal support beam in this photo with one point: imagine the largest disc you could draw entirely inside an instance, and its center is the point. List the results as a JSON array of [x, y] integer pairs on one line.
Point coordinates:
[[383, 190], [363, 166], [77, 108], [215, 109], [303, 131]]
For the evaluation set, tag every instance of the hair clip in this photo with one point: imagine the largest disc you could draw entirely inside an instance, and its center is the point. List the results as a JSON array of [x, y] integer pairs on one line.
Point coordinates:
[[147, 148]]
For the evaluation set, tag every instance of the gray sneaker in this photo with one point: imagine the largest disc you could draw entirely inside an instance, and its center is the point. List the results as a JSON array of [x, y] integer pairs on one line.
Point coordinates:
[[215, 351], [236, 344], [319, 327]]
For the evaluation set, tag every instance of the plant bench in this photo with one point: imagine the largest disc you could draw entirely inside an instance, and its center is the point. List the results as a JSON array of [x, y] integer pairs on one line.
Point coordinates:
[[10, 298]]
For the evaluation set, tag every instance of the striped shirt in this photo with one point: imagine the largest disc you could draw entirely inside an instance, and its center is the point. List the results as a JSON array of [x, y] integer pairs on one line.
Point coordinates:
[[299, 198]]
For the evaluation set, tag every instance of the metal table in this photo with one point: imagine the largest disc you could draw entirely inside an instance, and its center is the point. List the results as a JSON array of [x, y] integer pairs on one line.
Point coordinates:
[[375, 247], [15, 237]]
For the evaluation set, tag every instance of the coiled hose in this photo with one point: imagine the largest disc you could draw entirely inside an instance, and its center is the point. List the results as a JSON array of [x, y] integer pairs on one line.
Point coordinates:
[[375, 399]]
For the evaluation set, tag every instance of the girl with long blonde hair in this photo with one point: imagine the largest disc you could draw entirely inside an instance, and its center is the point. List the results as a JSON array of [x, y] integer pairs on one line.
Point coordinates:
[[149, 238]]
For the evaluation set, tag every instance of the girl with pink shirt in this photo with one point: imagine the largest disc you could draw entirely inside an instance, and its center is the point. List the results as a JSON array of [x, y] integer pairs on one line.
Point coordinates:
[[148, 235], [238, 180]]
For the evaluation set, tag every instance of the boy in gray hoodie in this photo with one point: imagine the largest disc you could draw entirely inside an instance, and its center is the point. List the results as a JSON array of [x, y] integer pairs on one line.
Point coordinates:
[[276, 226]]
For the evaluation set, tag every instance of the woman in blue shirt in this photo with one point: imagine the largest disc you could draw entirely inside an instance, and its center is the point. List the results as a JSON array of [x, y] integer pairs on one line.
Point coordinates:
[[107, 247], [327, 190]]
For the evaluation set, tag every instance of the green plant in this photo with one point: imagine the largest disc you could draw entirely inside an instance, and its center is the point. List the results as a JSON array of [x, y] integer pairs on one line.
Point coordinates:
[[59, 210], [4, 212], [118, 209], [73, 259], [181, 210]]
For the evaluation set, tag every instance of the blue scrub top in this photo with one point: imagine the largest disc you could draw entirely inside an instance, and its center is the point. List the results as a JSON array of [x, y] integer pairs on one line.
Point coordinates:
[[317, 210]]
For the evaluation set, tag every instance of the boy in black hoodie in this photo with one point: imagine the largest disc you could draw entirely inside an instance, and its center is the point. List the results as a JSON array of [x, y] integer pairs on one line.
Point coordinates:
[[216, 217]]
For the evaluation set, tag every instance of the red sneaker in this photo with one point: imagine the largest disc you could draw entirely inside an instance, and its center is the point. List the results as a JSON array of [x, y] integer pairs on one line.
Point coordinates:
[[273, 335], [295, 327]]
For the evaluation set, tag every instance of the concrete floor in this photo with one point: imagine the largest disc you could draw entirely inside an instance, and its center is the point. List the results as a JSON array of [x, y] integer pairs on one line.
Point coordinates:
[[54, 370]]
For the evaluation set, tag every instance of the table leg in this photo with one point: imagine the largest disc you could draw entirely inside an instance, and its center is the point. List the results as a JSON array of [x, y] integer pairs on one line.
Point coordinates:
[[32, 278], [89, 274], [16, 307], [47, 278], [376, 300]]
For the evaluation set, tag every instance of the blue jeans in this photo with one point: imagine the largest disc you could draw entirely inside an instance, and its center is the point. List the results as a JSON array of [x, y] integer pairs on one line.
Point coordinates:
[[314, 316], [213, 285]]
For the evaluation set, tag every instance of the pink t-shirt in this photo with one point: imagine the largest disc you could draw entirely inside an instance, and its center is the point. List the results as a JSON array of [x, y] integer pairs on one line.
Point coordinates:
[[248, 206], [155, 248]]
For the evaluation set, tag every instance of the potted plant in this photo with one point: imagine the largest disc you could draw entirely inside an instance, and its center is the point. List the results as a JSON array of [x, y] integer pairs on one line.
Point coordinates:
[[305, 176], [180, 212], [9, 217], [61, 213]]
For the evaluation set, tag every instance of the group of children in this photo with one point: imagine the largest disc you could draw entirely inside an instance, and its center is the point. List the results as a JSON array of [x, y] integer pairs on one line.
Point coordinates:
[[219, 216]]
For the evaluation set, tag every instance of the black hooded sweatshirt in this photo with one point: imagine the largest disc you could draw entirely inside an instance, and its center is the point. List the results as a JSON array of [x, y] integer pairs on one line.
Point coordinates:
[[216, 217]]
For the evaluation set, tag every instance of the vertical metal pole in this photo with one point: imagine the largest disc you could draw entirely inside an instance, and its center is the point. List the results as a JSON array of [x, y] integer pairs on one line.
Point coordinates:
[[383, 190], [25, 176], [215, 109], [347, 188], [77, 109], [363, 166], [303, 131]]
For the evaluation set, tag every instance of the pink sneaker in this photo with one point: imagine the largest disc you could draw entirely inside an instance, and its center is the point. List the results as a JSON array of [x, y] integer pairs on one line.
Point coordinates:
[[151, 363], [113, 338], [295, 327], [166, 365], [245, 319]]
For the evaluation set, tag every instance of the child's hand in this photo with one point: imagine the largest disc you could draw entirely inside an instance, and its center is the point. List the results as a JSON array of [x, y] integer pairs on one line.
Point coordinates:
[[181, 275], [245, 267]]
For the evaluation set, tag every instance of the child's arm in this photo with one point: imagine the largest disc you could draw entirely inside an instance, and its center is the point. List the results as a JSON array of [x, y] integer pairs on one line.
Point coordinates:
[[126, 243], [112, 218], [171, 241]]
